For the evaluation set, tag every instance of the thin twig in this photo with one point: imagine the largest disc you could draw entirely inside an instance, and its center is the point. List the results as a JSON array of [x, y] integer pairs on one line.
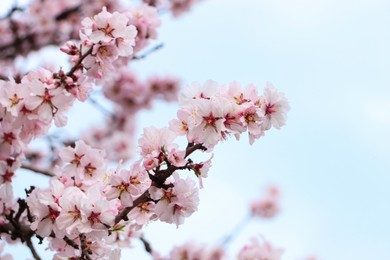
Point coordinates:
[[148, 52], [237, 229], [100, 107], [70, 242], [84, 249], [123, 214], [11, 11], [32, 249], [78, 63], [148, 247], [37, 170]]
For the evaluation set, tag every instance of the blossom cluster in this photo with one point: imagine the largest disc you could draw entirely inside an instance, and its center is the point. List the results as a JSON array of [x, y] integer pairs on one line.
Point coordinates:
[[209, 113], [176, 7], [52, 22], [129, 95], [91, 208], [268, 205], [260, 250], [88, 200], [45, 22], [42, 96]]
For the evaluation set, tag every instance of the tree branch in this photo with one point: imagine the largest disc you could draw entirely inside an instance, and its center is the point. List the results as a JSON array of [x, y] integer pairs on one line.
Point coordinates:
[[37, 170], [84, 249], [78, 63], [32, 249], [123, 214], [158, 181], [148, 247], [148, 52]]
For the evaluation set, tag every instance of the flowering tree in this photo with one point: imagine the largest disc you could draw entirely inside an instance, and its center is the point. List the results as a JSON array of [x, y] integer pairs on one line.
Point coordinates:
[[97, 201]]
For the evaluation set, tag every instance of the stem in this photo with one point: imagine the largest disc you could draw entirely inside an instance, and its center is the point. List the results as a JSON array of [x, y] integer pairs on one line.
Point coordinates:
[[78, 63], [100, 107], [148, 247], [84, 250], [191, 147], [148, 52], [123, 214], [70, 242], [32, 249], [37, 170], [237, 229], [10, 13]]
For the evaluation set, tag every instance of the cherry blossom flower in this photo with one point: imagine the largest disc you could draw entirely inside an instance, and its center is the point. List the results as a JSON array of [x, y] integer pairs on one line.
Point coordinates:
[[259, 251], [126, 184], [47, 100], [75, 206], [143, 213], [176, 203], [268, 205], [110, 29], [145, 18], [274, 107]]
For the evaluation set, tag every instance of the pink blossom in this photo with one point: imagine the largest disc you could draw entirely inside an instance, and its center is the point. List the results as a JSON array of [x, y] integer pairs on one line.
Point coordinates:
[[178, 7], [177, 203], [145, 18], [260, 251], [102, 213], [45, 211], [153, 140], [85, 164], [75, 206], [47, 100], [268, 205], [143, 213], [12, 96], [110, 29], [209, 123], [274, 106]]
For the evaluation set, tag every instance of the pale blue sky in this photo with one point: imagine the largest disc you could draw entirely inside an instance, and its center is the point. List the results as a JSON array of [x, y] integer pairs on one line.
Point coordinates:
[[332, 60]]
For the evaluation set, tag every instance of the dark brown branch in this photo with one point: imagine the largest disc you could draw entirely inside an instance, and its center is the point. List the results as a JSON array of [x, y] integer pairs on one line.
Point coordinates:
[[191, 147], [11, 11], [71, 243], [123, 214], [19, 230], [32, 249], [37, 170], [148, 247], [68, 12], [22, 207], [85, 253], [77, 65]]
